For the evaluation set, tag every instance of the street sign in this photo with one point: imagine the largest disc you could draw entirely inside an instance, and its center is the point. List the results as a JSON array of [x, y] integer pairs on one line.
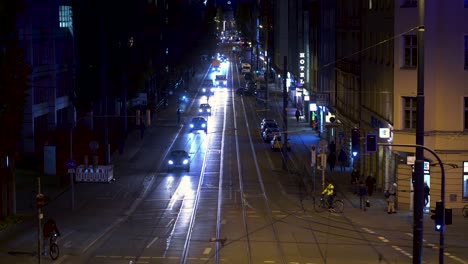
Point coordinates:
[[71, 170], [313, 158], [71, 163]]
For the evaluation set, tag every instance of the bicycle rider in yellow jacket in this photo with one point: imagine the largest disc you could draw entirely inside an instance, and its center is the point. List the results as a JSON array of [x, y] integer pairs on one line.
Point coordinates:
[[329, 192]]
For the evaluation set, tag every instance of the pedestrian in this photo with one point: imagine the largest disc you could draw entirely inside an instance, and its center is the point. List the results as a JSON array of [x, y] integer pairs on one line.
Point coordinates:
[[332, 147], [390, 194], [427, 192], [142, 127], [342, 158], [355, 180], [178, 115], [331, 160], [50, 227], [298, 115], [362, 196], [370, 183]]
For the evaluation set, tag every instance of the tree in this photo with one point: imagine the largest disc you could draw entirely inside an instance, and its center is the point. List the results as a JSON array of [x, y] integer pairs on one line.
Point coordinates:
[[14, 79]]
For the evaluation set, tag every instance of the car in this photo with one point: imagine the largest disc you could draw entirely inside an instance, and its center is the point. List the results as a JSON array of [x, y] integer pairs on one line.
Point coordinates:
[[276, 143], [221, 80], [204, 109], [198, 123], [245, 67], [208, 91], [269, 132], [268, 124], [208, 83], [178, 159]]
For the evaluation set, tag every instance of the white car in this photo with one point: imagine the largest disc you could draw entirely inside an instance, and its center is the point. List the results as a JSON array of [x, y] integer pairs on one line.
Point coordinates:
[[205, 109]]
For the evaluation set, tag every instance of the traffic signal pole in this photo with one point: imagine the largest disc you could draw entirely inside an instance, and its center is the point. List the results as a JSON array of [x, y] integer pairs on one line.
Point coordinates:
[[285, 115], [442, 197]]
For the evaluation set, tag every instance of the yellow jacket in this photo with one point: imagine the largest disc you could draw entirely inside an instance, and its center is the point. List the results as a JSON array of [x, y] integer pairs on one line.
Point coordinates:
[[329, 190]]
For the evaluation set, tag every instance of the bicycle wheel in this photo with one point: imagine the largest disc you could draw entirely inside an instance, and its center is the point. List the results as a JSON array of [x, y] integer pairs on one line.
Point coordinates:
[[54, 251], [319, 205], [338, 206]]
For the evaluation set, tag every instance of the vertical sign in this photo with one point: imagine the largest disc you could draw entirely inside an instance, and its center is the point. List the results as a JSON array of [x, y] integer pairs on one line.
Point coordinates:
[[302, 68]]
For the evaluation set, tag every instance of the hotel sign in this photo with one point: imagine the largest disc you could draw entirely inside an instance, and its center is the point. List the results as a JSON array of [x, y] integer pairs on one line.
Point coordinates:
[[302, 68]]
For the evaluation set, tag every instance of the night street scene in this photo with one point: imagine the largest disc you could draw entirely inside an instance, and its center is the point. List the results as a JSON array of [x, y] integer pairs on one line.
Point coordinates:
[[234, 131]]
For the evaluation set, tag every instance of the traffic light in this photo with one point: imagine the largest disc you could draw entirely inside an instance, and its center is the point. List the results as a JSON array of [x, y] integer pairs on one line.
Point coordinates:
[[437, 216], [355, 141], [371, 143]]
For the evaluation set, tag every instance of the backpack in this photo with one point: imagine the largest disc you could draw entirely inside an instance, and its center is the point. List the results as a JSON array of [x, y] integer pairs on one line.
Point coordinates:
[[387, 194]]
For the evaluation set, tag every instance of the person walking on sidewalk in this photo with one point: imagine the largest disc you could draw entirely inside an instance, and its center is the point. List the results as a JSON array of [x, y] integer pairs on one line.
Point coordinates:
[[390, 194], [355, 181], [331, 160], [142, 127], [342, 158], [362, 196], [370, 183], [298, 115], [427, 192]]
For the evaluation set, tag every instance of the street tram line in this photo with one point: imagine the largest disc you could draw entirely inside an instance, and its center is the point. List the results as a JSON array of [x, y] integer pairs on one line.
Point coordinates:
[[185, 251], [271, 221]]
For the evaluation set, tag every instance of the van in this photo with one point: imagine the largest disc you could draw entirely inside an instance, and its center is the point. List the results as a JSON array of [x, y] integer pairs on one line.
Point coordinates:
[[245, 67]]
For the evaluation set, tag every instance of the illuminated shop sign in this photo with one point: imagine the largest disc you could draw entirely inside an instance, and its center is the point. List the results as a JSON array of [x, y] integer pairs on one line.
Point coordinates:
[[302, 68]]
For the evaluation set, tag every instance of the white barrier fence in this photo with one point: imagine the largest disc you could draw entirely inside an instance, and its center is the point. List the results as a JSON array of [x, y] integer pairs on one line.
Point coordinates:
[[100, 173]]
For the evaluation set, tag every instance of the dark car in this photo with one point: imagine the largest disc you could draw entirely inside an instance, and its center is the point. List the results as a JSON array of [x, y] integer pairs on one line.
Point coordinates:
[[205, 109], [198, 123], [268, 124], [178, 159]]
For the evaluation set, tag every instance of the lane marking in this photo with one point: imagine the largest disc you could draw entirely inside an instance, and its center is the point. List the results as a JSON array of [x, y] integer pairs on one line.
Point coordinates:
[[206, 251], [152, 241], [383, 239], [368, 230], [170, 222]]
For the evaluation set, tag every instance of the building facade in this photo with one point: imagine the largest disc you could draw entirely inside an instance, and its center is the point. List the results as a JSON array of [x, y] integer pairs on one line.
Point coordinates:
[[45, 32]]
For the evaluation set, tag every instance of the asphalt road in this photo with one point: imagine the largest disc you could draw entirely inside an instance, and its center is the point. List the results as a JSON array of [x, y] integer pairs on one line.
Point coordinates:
[[236, 205]]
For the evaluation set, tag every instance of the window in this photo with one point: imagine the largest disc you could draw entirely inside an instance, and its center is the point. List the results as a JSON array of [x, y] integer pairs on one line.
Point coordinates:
[[466, 52], [465, 126], [410, 3], [465, 3], [465, 180], [65, 17], [409, 112], [411, 51]]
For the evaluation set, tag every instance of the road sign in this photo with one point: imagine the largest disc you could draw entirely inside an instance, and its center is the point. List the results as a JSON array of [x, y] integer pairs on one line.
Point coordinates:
[[71, 170], [71, 163]]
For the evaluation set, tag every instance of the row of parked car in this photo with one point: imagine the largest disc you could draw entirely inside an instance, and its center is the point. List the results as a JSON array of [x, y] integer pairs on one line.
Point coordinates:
[[270, 132]]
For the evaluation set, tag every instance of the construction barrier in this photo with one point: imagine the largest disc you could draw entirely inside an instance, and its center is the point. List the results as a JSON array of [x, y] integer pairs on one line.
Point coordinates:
[[100, 173]]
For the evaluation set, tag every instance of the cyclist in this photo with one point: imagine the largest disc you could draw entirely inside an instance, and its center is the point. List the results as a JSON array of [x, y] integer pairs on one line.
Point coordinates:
[[50, 227], [329, 192]]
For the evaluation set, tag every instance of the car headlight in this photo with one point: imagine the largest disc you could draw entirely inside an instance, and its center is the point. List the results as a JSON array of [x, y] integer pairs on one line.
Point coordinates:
[[200, 110], [170, 162], [208, 110], [203, 125], [212, 89], [185, 161], [204, 90], [191, 125]]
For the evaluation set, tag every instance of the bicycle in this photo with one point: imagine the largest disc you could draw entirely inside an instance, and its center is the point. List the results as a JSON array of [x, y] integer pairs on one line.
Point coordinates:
[[54, 251], [322, 204]]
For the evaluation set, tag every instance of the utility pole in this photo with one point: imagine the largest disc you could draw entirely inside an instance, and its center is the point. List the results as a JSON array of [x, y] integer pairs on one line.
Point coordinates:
[[418, 213], [285, 115]]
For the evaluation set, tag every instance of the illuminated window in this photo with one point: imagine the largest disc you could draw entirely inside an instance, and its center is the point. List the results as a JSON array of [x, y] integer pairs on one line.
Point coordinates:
[[409, 112], [65, 17], [465, 180], [466, 113], [410, 51], [466, 52]]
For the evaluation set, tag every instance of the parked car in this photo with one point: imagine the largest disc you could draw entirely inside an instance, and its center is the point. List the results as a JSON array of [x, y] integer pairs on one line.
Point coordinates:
[[269, 132], [276, 143], [178, 159], [268, 124], [205, 109], [198, 123]]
